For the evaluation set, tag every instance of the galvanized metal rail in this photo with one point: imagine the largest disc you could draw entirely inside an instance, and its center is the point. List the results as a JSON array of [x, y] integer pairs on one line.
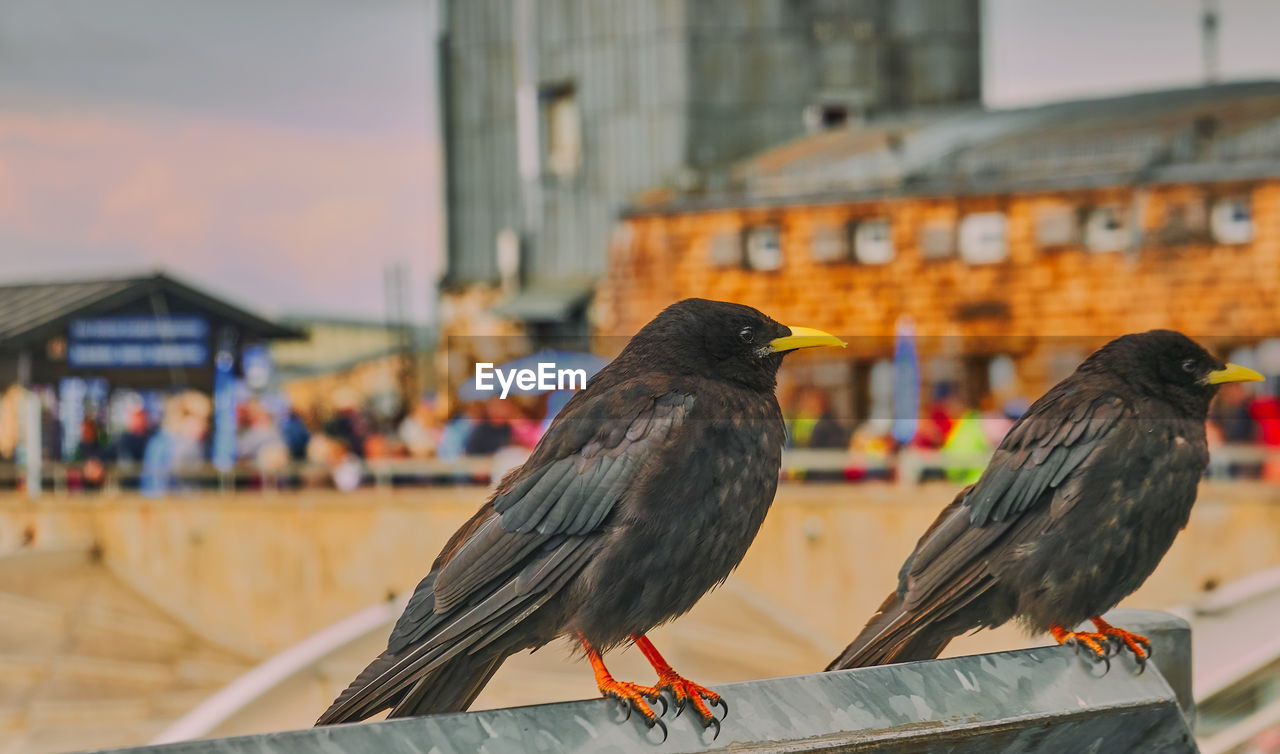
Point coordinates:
[[1045, 699]]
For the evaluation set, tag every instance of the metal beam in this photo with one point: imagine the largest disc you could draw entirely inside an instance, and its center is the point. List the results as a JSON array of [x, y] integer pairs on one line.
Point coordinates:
[[1044, 699]]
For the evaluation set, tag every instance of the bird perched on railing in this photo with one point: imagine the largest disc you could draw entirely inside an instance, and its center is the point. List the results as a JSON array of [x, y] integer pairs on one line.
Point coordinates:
[[644, 493], [1081, 500]]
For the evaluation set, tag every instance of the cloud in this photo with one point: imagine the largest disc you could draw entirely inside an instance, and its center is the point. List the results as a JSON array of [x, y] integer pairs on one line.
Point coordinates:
[[291, 219]]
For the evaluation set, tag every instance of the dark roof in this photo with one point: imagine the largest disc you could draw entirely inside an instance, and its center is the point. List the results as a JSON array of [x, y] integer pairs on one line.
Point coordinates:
[[1222, 132], [550, 302], [31, 311]]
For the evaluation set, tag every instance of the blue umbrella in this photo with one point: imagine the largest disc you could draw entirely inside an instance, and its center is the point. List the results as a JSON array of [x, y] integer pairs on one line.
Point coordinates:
[[558, 361], [906, 382]]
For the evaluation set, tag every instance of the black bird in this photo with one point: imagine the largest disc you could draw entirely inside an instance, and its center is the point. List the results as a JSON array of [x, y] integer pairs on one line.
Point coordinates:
[[1081, 500], [644, 493]]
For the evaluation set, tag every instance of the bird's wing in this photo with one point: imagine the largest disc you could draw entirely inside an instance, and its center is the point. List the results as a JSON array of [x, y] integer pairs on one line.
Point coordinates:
[[522, 547], [561, 498], [1040, 452], [1030, 468]]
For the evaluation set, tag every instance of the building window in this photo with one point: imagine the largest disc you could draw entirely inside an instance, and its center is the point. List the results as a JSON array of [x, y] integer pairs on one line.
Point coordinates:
[[873, 242], [763, 247], [1232, 220], [1105, 229], [937, 240], [982, 238], [561, 129], [830, 243], [825, 115], [1184, 222], [1056, 226], [725, 250]]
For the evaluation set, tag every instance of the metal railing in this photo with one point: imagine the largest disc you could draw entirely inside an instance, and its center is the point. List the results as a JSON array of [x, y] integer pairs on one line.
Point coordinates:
[[1042, 699], [908, 467]]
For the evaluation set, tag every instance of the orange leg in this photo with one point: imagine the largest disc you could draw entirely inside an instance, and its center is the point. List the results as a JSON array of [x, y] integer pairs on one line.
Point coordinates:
[[1096, 643], [684, 690], [1139, 645], [632, 695]]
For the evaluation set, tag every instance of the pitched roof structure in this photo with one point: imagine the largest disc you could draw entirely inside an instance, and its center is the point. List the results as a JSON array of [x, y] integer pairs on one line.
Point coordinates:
[[1221, 132], [33, 311]]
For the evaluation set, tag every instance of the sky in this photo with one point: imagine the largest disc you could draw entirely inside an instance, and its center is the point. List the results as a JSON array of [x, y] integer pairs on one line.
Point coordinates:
[[278, 153], [1041, 50], [283, 153]]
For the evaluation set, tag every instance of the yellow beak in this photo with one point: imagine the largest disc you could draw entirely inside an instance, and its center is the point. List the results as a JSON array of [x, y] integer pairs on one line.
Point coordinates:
[[804, 337], [1234, 373]]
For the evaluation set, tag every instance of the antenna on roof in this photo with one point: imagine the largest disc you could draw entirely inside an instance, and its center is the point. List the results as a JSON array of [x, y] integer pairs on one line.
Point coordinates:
[[1209, 40]]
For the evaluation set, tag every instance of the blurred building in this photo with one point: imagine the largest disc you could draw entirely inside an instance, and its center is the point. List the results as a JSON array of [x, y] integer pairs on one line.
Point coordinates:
[[143, 332], [94, 352], [383, 363], [557, 112], [1071, 222]]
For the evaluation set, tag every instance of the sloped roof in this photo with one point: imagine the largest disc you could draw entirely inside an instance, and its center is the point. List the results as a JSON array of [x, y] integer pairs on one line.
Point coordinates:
[[1207, 133], [30, 311]]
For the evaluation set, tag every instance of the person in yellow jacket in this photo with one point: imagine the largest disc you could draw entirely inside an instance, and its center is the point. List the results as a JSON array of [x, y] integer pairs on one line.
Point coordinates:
[[966, 449]]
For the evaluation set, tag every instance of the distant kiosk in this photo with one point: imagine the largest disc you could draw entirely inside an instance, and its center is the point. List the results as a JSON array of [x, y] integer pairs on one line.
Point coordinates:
[[83, 340], [150, 332]]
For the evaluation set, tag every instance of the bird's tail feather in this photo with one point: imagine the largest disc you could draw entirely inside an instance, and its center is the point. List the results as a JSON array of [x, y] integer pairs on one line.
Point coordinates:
[[450, 685], [451, 688], [336, 713], [895, 634]]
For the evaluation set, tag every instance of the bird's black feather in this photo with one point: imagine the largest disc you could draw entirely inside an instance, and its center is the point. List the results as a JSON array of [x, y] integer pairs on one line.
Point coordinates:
[[1080, 501], [668, 458]]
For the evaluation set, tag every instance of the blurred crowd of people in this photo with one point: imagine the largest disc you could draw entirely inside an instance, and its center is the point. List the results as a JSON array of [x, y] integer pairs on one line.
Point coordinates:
[[172, 446], [964, 435], [331, 445]]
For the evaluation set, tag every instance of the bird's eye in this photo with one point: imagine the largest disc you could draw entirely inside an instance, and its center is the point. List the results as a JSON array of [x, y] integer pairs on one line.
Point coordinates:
[[746, 335], [1189, 365]]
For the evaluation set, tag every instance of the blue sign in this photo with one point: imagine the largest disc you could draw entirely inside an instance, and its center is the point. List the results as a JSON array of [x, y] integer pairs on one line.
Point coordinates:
[[140, 328], [138, 342]]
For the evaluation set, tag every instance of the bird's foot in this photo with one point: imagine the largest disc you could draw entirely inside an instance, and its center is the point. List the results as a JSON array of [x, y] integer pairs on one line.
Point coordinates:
[[634, 696], [1098, 644], [686, 692], [1139, 645]]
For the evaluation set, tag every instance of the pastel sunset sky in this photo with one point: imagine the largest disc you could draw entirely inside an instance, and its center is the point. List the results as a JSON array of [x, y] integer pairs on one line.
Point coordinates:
[[282, 152]]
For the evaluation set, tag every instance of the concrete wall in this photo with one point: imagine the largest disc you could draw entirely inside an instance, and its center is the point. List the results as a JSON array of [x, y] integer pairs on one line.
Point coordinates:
[[256, 573]]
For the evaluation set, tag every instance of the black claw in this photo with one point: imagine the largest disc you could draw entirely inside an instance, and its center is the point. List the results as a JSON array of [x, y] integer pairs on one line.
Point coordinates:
[[660, 725], [713, 723], [723, 704], [1107, 661], [1151, 651], [629, 707], [681, 701], [663, 699]]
